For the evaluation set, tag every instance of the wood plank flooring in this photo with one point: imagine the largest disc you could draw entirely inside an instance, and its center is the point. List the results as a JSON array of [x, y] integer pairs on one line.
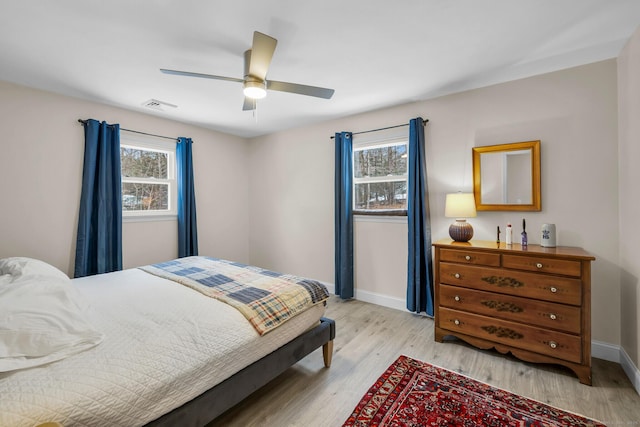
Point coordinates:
[[369, 338]]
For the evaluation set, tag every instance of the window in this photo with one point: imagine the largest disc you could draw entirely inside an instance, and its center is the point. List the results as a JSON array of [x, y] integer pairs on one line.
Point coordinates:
[[148, 178], [380, 177]]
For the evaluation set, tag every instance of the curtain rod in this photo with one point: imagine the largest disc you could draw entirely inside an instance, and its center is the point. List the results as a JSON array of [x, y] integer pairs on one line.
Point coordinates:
[[424, 122], [137, 131]]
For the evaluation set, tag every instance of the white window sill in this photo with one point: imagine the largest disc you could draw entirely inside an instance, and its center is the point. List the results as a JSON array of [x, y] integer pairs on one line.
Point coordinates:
[[147, 218], [397, 219]]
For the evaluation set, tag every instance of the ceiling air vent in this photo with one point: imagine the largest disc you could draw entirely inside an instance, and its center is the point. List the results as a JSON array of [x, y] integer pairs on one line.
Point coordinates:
[[154, 104]]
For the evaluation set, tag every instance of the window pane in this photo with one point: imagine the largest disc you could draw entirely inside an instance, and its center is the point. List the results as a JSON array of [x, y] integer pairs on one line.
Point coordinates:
[[384, 161], [142, 163], [381, 195], [144, 197]]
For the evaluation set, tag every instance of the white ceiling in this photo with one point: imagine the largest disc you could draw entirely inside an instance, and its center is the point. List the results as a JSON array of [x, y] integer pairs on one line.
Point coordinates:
[[374, 53]]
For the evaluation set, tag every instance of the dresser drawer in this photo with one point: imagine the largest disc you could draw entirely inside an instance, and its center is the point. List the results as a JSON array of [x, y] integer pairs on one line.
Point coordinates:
[[543, 265], [470, 257], [529, 285], [551, 343], [561, 317]]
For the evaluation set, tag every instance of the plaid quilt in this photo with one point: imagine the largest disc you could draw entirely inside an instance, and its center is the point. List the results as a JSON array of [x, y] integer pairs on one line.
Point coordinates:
[[266, 298]]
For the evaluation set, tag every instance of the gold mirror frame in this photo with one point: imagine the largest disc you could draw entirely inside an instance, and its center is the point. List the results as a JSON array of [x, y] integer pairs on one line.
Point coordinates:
[[535, 204]]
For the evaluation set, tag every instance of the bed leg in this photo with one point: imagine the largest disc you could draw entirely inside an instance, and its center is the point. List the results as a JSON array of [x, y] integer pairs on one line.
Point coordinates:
[[327, 353]]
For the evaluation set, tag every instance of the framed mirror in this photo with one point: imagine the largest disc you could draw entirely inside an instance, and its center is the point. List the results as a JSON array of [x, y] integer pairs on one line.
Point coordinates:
[[506, 177]]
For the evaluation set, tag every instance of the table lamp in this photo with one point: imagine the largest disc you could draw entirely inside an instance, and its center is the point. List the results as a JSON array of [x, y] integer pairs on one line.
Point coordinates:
[[460, 206]]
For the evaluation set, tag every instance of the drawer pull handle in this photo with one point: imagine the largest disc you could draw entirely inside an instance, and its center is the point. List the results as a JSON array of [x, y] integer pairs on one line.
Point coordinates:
[[553, 289], [552, 316], [468, 258], [539, 265], [553, 344], [457, 275], [457, 298], [457, 322]]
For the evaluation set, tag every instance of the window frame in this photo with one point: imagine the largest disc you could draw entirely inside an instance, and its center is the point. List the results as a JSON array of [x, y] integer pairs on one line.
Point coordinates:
[[372, 144], [142, 143]]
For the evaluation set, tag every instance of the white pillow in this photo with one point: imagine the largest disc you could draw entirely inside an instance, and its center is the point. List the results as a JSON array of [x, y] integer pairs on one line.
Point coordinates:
[[17, 267], [42, 316]]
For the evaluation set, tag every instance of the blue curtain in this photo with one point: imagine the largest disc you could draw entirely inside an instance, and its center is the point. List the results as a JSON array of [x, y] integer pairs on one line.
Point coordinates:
[[419, 276], [187, 224], [99, 238], [343, 216]]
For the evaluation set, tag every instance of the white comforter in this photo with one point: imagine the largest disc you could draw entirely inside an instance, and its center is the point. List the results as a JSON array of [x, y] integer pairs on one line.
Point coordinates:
[[164, 344]]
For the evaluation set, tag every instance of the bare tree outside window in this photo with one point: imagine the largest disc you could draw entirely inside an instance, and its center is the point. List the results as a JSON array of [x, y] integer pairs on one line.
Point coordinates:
[[380, 177], [144, 179]]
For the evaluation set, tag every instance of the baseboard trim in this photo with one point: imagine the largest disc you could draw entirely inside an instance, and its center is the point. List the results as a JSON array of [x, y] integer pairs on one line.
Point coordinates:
[[630, 369], [374, 298], [605, 351], [380, 299]]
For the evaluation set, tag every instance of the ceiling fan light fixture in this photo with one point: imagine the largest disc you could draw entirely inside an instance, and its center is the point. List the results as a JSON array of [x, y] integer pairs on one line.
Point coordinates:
[[255, 89]]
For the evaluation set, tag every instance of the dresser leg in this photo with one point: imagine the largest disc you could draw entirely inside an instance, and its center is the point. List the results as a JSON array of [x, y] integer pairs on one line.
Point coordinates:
[[584, 374]]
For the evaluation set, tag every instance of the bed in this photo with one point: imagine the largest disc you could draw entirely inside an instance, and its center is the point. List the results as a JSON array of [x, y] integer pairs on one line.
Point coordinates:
[[150, 350]]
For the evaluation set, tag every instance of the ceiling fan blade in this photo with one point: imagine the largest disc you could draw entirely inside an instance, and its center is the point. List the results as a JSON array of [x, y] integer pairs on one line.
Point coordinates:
[[249, 104], [319, 92], [261, 54], [204, 76]]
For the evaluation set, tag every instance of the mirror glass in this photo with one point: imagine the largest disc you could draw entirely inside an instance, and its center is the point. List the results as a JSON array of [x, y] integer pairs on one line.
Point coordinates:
[[507, 176]]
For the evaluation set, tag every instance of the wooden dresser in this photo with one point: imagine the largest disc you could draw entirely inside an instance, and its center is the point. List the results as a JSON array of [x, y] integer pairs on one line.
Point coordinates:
[[534, 302]]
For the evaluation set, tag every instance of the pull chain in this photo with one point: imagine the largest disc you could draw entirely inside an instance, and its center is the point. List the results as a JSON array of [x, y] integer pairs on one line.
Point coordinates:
[[255, 110]]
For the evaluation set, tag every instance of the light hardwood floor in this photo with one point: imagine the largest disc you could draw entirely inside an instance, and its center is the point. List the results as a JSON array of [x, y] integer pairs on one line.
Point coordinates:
[[369, 338]]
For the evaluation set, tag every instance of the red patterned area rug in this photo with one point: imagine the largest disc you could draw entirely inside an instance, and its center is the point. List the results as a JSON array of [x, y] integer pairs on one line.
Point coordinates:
[[414, 393]]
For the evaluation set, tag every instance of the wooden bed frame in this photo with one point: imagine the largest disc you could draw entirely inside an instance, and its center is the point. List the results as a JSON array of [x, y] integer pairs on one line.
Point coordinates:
[[215, 401]]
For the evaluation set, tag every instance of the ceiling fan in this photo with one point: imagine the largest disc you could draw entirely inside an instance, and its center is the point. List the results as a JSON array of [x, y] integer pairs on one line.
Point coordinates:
[[256, 65]]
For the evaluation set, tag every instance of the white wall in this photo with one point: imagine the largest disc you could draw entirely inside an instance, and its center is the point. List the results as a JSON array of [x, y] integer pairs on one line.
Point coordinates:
[[41, 153], [381, 275], [629, 177], [291, 203], [574, 114]]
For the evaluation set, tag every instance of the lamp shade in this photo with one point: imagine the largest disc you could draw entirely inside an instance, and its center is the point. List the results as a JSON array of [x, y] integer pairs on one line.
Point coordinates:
[[460, 205]]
